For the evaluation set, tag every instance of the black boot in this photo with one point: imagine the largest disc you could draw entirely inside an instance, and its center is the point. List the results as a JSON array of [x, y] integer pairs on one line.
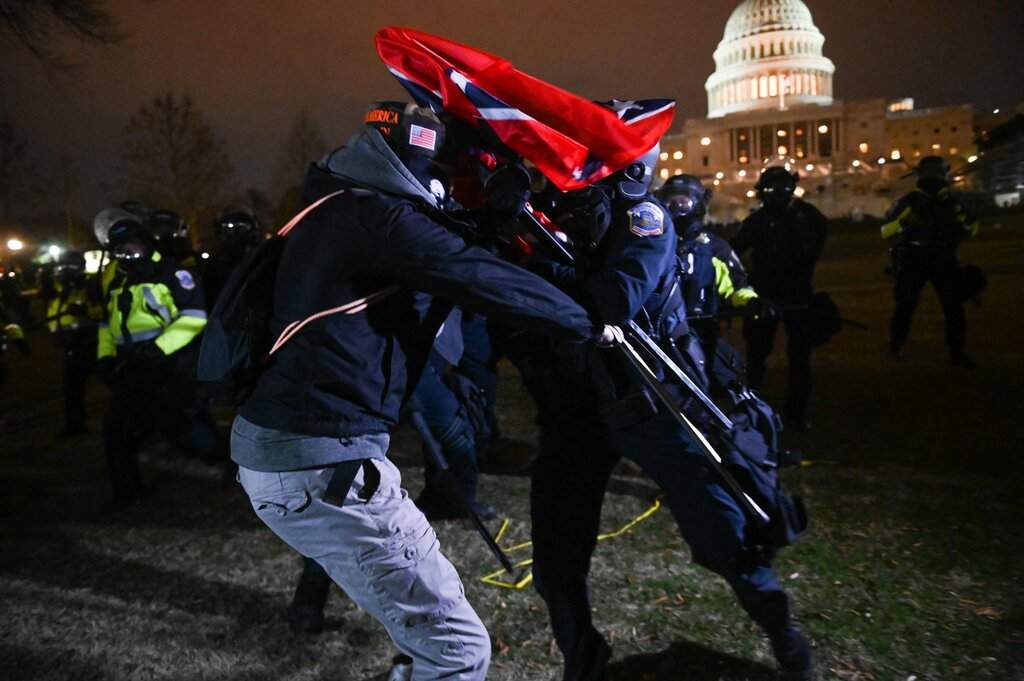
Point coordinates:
[[306, 612], [793, 653]]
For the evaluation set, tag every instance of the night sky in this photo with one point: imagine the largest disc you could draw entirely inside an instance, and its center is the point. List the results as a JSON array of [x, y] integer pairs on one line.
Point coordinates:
[[252, 65]]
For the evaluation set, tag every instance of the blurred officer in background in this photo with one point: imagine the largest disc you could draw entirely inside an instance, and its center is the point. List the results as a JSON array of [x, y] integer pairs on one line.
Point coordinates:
[[786, 236], [713, 277], [72, 316], [154, 310], [237, 233], [926, 226]]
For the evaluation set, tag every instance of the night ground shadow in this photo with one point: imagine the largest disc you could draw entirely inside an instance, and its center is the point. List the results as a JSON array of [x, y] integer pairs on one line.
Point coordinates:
[[687, 661]]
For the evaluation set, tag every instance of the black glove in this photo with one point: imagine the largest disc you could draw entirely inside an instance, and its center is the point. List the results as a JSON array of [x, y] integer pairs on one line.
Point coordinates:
[[762, 309], [150, 355], [507, 191], [107, 370]]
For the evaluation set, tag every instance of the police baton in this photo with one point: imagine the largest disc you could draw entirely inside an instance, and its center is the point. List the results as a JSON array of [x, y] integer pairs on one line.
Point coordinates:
[[650, 379], [434, 451]]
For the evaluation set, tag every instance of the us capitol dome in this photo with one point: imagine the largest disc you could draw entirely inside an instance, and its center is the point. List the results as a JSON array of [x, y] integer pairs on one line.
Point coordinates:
[[770, 57]]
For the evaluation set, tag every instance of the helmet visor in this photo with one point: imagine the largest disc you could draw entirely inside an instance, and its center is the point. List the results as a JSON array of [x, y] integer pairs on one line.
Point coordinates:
[[683, 202]]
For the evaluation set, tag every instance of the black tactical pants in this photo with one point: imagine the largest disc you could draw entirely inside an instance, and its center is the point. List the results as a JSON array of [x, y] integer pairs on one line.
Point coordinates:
[[79, 359], [760, 337], [910, 281], [567, 490], [145, 401]]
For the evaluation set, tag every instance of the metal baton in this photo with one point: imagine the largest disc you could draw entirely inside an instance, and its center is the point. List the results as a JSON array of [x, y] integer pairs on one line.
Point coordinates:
[[760, 517]]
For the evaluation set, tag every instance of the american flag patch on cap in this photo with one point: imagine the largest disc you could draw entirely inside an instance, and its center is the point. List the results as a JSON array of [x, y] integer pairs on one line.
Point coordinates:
[[425, 138]]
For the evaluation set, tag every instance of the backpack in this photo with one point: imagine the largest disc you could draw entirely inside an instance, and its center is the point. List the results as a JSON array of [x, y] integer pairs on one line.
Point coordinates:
[[237, 341]]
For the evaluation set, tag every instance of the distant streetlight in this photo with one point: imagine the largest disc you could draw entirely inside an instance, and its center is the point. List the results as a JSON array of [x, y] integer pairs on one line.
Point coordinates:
[[54, 250], [15, 245]]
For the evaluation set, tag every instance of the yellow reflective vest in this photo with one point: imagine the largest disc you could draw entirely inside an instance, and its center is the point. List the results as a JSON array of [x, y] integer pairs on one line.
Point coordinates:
[[166, 306]]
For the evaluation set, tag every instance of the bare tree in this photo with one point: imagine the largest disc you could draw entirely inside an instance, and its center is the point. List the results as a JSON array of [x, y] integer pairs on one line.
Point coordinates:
[[17, 172], [35, 25], [303, 144], [172, 158]]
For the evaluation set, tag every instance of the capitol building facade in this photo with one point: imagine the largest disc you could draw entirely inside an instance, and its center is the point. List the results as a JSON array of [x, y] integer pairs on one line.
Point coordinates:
[[770, 102]]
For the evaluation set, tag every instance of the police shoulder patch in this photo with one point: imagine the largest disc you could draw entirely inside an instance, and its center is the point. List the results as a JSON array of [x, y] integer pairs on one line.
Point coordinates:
[[646, 219], [185, 279]]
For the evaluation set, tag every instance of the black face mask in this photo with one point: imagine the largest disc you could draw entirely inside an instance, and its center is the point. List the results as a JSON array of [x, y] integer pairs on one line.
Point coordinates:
[[133, 255], [932, 185]]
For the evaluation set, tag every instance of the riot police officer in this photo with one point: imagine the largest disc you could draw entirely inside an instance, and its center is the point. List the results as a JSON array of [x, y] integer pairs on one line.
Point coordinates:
[[592, 412], [72, 316], [311, 440], [927, 225], [154, 310], [237, 233], [712, 275], [173, 237], [785, 236]]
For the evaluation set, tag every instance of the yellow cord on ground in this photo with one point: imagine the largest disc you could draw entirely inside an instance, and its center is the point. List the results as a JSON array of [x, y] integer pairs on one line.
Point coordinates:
[[494, 579]]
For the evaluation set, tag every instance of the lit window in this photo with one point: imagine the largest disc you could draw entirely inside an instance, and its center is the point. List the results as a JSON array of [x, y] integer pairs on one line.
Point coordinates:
[[972, 158], [719, 175], [809, 167], [823, 129], [781, 133], [664, 173], [705, 141], [663, 156], [895, 155], [751, 193], [742, 173], [783, 150], [881, 160], [744, 159], [953, 151], [677, 171], [677, 155], [856, 163], [936, 146], [863, 146]]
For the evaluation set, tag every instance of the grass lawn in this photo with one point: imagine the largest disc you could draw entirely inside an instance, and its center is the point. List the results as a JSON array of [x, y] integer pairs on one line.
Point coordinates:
[[911, 570]]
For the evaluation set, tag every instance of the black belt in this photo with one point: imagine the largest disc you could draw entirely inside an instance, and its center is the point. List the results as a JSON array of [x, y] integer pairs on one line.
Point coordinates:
[[345, 474]]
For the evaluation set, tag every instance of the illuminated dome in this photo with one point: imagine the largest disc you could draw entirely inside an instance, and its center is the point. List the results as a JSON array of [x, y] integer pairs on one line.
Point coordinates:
[[769, 57]]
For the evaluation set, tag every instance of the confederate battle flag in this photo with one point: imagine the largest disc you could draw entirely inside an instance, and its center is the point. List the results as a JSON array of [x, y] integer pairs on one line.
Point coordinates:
[[573, 141]]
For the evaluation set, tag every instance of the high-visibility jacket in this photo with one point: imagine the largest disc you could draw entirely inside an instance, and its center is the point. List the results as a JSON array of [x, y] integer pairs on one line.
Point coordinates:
[[63, 297], [165, 305], [920, 218]]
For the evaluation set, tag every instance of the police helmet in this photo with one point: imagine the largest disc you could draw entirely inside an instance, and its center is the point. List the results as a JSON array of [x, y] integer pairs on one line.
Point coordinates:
[[136, 207], [685, 196], [167, 225], [111, 221], [932, 173], [236, 224], [776, 185], [69, 265]]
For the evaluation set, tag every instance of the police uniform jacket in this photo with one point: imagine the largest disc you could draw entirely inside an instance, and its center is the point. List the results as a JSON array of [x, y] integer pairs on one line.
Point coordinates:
[[928, 226], [347, 375], [161, 303], [785, 246], [712, 275]]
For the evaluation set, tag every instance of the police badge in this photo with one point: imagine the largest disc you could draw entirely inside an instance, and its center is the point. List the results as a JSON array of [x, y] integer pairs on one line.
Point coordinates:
[[645, 219]]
